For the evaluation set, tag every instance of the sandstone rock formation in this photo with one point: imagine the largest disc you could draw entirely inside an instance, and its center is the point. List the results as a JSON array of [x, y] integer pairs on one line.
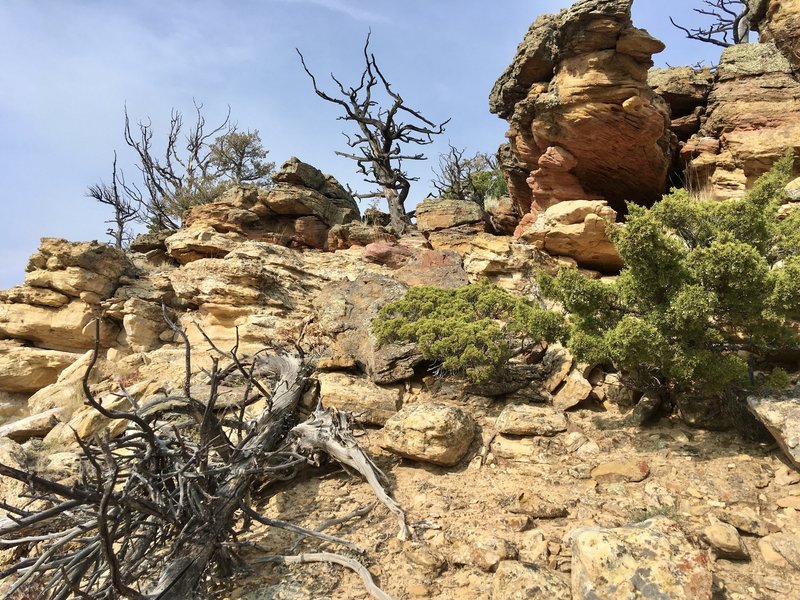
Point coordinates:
[[781, 416], [579, 83], [299, 210], [753, 116], [685, 90]]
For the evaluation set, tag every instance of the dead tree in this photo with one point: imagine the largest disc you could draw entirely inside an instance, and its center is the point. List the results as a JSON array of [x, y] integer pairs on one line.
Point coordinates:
[[182, 176], [464, 178], [126, 205], [379, 145], [163, 511], [730, 23]]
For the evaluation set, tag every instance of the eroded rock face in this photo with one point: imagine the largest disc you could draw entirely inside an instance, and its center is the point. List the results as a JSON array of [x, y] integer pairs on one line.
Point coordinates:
[[25, 369], [434, 214], [368, 402], [685, 90], [779, 21], [652, 559], [753, 116], [578, 83]]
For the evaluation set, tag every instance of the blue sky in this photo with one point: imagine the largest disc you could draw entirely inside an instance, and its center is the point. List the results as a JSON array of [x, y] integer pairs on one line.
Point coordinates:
[[67, 68]]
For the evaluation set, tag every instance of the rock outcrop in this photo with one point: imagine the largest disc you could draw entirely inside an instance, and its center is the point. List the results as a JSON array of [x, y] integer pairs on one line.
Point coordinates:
[[685, 90], [753, 116], [579, 83], [299, 210]]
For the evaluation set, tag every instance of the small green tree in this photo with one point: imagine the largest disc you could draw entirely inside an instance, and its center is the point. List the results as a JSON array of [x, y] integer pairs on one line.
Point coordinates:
[[473, 330], [707, 287]]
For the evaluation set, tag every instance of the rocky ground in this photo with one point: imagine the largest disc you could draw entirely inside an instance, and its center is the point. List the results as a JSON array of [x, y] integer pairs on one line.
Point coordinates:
[[549, 488], [508, 527]]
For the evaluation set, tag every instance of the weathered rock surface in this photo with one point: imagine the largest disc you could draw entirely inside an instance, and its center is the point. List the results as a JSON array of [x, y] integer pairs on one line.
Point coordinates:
[[578, 83], [37, 425], [519, 581], [501, 259], [485, 552], [502, 213], [753, 116], [345, 311], [434, 214], [526, 419], [25, 369], [368, 402], [576, 229], [69, 328], [621, 470], [299, 210], [781, 416], [432, 433], [652, 559], [685, 90], [779, 21], [725, 540]]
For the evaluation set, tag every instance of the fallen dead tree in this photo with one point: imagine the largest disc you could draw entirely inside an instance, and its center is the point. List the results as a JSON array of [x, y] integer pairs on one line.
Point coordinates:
[[159, 511]]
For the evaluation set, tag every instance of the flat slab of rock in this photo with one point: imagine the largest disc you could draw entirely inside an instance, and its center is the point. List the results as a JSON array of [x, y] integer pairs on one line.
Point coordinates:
[[434, 214], [432, 433], [25, 369], [514, 580], [526, 419], [781, 416], [621, 470], [368, 402], [652, 559], [37, 426]]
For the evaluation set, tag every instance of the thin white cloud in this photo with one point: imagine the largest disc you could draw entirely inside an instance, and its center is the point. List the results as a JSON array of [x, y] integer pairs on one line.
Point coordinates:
[[343, 7]]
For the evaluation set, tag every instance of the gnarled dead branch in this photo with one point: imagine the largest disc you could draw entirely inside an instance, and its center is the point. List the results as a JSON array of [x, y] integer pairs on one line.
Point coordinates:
[[157, 511]]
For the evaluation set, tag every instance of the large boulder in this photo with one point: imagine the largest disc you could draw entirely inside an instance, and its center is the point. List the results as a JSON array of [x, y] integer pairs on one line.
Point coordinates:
[[652, 559], [578, 83], [432, 433], [345, 311], [368, 402], [434, 214]]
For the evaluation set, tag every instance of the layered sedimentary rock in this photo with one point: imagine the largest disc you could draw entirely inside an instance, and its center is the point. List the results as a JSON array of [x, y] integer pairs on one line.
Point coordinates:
[[753, 116], [577, 84], [64, 285]]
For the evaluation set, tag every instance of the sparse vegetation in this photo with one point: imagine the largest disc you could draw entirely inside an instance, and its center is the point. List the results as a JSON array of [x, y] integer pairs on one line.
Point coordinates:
[[706, 292], [472, 178], [473, 330], [197, 165]]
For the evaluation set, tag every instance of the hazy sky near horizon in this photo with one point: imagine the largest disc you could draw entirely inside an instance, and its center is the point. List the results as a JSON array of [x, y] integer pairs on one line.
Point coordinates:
[[68, 67]]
